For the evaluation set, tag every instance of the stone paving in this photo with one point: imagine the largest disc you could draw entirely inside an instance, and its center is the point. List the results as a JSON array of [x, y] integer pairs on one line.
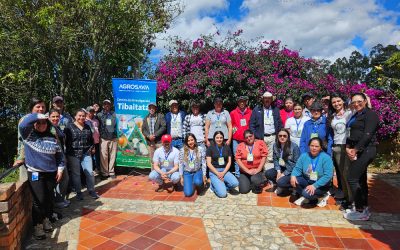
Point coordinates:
[[236, 222]]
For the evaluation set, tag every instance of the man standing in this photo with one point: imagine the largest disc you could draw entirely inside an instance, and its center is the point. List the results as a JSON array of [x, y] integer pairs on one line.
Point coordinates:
[[65, 117], [307, 99], [174, 120], [153, 128], [265, 122], [240, 122], [108, 140]]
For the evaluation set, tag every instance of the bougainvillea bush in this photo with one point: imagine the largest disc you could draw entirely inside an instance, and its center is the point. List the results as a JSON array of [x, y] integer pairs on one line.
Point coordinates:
[[231, 67]]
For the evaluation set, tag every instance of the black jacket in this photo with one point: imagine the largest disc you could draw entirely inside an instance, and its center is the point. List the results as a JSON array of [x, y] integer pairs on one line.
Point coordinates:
[[257, 121], [363, 130]]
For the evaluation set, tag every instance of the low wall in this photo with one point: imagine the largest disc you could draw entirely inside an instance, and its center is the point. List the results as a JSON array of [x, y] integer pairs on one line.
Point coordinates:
[[15, 211]]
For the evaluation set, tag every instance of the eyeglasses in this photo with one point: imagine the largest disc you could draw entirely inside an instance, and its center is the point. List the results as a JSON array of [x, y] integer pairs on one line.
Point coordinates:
[[282, 136]]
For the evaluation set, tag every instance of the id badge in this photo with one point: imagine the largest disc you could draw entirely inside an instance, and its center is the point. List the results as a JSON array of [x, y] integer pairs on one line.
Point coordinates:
[[62, 127], [298, 133], [243, 122], [281, 162], [313, 176], [314, 135], [165, 163], [221, 161], [219, 124], [108, 122], [267, 121], [191, 164], [250, 157], [35, 176], [347, 132]]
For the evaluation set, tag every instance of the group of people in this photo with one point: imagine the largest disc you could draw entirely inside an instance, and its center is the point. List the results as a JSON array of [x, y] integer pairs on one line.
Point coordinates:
[[59, 152], [293, 150]]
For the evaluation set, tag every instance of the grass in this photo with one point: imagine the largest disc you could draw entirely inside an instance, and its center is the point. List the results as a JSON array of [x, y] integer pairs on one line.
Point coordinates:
[[12, 177]]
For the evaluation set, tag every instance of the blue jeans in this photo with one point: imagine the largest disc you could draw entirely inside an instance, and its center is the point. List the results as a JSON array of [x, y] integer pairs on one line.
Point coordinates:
[[220, 187], [177, 143], [301, 189], [235, 144], [156, 177], [190, 179], [75, 165]]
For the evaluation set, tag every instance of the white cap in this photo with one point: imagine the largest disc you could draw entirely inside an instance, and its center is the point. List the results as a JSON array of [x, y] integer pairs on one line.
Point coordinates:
[[173, 102], [267, 94]]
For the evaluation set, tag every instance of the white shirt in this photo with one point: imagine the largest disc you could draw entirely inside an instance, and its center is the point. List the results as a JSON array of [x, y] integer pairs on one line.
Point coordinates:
[[296, 127], [269, 127], [176, 125], [196, 127], [172, 157], [339, 127]]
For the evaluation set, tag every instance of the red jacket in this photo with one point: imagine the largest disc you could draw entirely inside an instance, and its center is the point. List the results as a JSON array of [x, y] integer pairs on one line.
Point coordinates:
[[285, 115], [236, 116]]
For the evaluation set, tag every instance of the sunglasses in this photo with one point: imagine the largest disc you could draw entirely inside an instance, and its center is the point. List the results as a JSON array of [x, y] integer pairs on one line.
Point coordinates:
[[282, 136], [356, 102]]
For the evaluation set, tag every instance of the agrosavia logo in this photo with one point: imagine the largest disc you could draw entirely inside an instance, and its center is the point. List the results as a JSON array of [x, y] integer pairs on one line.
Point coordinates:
[[127, 86]]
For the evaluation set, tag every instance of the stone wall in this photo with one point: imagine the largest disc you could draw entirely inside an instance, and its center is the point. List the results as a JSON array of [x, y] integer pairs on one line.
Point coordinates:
[[15, 211]]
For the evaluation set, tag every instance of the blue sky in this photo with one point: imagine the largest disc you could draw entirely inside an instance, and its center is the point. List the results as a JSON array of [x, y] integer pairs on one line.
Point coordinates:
[[326, 29]]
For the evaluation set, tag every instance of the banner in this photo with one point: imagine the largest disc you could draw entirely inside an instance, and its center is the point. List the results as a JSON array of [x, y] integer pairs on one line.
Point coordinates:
[[131, 99]]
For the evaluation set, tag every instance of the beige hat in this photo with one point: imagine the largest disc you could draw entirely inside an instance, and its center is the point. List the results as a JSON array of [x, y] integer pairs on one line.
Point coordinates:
[[173, 102]]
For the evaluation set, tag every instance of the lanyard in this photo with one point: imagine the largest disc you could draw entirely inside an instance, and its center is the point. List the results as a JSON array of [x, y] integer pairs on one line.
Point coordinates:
[[314, 164], [174, 119], [166, 155], [297, 124], [250, 149], [281, 152], [351, 121], [267, 112], [220, 151], [191, 156], [219, 116], [243, 113]]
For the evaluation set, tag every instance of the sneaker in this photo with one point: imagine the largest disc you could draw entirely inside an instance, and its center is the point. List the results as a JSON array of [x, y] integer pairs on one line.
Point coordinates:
[[300, 201], [160, 188], [38, 232], [103, 177], [94, 195], [271, 186], [61, 204], [233, 191], [67, 202], [257, 190], [79, 196], [357, 215], [178, 187], [55, 217], [323, 201], [47, 227]]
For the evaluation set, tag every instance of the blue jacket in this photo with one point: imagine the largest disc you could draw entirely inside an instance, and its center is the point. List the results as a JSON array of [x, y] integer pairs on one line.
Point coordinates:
[[43, 152], [324, 169], [168, 118], [290, 161], [324, 134], [257, 121]]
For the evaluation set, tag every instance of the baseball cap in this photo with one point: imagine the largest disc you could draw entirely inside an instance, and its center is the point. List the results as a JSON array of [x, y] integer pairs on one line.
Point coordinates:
[[316, 106], [57, 98], [267, 94], [218, 99], [106, 100], [152, 104], [173, 102], [166, 138], [305, 95], [243, 98]]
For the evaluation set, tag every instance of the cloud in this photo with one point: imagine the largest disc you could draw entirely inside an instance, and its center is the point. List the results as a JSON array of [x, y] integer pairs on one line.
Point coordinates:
[[316, 28]]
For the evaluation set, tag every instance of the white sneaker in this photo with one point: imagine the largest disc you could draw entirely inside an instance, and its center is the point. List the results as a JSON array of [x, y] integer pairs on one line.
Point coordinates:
[[47, 227], [357, 215], [300, 201], [323, 201]]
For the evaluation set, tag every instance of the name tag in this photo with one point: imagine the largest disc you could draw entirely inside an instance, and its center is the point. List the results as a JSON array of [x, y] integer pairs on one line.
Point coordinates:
[[314, 176], [221, 161], [298, 133], [35, 176], [108, 122], [250, 157], [243, 122], [218, 124], [281, 162], [191, 164], [314, 135], [165, 163]]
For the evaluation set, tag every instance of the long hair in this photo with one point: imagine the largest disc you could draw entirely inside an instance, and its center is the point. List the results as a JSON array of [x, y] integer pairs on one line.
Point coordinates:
[[332, 110], [215, 135], [186, 147], [287, 146]]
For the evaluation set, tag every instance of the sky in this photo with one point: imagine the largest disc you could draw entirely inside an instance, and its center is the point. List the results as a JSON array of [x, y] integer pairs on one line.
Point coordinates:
[[323, 29]]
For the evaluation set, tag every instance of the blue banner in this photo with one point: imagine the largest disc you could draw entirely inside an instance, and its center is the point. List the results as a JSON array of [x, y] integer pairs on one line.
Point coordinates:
[[131, 100]]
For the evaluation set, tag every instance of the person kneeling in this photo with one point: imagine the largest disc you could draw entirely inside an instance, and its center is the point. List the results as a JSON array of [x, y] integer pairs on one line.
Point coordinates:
[[165, 164], [251, 156], [192, 165], [312, 175]]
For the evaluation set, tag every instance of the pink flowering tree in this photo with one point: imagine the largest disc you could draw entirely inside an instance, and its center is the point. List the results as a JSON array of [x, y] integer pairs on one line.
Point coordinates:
[[205, 68]]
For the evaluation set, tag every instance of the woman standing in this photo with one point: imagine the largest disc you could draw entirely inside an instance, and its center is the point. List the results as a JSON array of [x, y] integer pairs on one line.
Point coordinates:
[[312, 175], [218, 119], [80, 147], [192, 165], [285, 157], [194, 123], [251, 156], [361, 149], [337, 122], [45, 164], [219, 160], [287, 111], [62, 187], [295, 124]]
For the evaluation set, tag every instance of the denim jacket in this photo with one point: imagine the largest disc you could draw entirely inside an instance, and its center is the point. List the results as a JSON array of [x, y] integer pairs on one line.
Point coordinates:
[[290, 161]]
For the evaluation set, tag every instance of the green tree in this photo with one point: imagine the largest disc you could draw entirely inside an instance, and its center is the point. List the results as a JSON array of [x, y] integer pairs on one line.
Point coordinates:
[[354, 69]]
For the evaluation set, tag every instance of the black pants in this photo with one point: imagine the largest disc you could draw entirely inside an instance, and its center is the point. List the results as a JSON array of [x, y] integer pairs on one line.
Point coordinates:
[[246, 180], [357, 177], [43, 196]]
